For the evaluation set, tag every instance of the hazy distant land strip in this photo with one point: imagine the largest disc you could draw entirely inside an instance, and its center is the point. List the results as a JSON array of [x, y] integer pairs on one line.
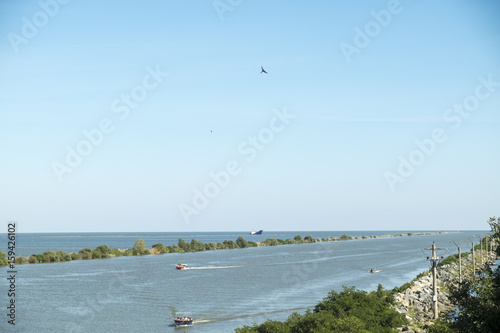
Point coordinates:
[[139, 248]]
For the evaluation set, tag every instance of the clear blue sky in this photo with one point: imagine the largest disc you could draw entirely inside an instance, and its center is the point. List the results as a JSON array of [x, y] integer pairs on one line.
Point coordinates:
[[172, 91]]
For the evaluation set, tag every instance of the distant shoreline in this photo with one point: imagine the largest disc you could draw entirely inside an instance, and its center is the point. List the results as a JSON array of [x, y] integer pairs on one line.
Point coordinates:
[[104, 252], [187, 233]]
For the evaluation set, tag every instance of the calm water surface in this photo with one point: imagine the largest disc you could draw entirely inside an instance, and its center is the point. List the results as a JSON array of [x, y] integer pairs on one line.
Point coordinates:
[[222, 289]]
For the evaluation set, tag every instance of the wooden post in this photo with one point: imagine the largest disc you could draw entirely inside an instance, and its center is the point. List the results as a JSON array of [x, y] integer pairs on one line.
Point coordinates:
[[434, 281], [473, 262], [460, 265]]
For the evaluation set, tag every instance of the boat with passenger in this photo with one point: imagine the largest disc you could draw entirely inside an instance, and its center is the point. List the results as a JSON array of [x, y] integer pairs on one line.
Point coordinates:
[[183, 321], [181, 266]]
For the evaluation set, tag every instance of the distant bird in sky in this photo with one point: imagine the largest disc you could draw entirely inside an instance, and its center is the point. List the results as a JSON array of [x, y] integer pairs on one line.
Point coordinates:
[[262, 70], [211, 131]]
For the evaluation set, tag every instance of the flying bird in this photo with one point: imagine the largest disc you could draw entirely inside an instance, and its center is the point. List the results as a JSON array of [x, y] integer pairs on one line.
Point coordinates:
[[262, 70]]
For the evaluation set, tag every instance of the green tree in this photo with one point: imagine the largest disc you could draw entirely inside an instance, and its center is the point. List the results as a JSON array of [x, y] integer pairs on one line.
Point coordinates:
[[21, 260], [309, 239], [229, 244], [96, 254], [271, 242], [62, 255], [86, 253], [210, 246], [241, 242], [197, 246], [269, 326], [298, 239], [3, 259], [478, 299], [50, 256], [140, 246], [32, 259], [185, 247], [160, 248], [351, 310], [326, 322], [105, 251], [40, 257], [374, 309]]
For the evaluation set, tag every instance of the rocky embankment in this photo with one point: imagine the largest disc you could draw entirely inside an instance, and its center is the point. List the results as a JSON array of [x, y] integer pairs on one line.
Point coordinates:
[[416, 301]]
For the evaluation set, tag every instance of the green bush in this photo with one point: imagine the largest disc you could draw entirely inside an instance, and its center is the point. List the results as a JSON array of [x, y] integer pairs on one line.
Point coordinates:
[[140, 246], [105, 251], [210, 246], [32, 259], [241, 242], [197, 246], [348, 311], [309, 239], [3, 259], [96, 254], [449, 260], [271, 242], [185, 247], [21, 260], [86, 253]]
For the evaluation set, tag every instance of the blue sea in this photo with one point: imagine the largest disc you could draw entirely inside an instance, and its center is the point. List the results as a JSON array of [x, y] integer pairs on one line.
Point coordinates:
[[221, 290]]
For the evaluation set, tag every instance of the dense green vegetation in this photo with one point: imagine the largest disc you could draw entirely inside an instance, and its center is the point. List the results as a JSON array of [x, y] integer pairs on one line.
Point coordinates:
[[478, 299], [350, 310], [139, 248]]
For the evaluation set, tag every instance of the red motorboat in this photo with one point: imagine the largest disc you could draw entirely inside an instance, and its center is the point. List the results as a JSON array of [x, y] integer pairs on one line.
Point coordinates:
[[181, 266]]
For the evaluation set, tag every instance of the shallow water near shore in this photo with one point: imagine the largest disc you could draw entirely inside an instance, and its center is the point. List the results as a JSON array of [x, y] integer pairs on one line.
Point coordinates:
[[221, 290]]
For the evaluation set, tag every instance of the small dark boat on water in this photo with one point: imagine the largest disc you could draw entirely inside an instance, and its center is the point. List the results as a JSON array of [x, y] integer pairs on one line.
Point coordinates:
[[181, 266], [183, 321], [256, 232]]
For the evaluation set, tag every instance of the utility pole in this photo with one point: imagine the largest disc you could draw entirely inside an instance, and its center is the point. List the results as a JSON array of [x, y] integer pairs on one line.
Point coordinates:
[[434, 260], [458, 244], [473, 258], [485, 236], [481, 249]]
